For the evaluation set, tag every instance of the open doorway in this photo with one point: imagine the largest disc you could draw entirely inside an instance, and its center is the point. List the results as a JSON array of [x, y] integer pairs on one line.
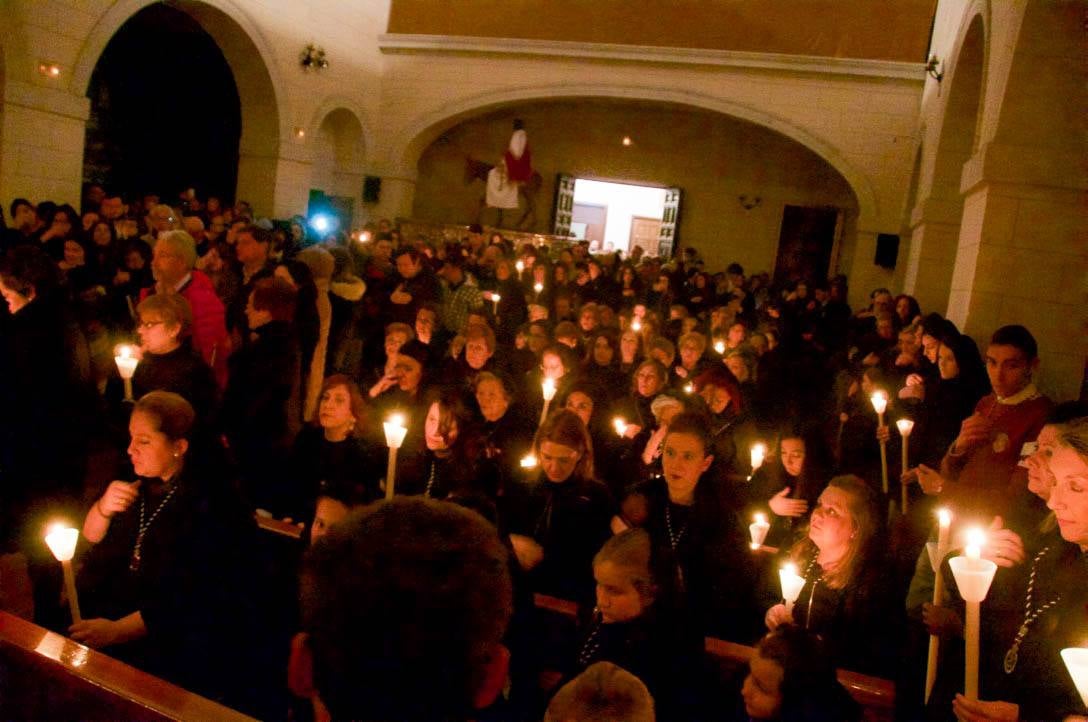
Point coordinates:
[[618, 216]]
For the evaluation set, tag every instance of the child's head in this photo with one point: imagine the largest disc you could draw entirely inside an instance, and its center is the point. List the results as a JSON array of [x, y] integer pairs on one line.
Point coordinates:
[[790, 671], [334, 503], [625, 578]]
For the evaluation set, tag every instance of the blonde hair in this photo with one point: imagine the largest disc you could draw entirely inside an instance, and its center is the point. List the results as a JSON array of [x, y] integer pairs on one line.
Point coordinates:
[[602, 692], [861, 503], [632, 551]]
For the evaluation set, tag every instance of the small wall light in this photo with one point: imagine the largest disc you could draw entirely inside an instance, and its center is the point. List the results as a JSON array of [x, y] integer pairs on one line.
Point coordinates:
[[935, 68], [300, 132], [749, 202], [49, 69], [626, 141]]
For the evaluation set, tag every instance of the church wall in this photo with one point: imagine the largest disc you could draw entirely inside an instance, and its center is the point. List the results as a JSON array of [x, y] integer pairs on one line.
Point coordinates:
[[583, 138]]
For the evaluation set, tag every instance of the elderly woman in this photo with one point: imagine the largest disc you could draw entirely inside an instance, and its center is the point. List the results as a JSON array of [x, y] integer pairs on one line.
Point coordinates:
[[168, 583], [1050, 609], [559, 521], [844, 598], [506, 433], [478, 355], [168, 361], [692, 346]]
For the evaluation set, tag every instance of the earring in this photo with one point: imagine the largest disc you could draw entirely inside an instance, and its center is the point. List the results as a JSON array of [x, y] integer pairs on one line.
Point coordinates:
[[176, 454]]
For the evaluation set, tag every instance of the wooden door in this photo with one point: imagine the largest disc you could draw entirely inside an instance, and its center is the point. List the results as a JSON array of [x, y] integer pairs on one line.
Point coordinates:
[[667, 237], [645, 232], [806, 243], [595, 217]]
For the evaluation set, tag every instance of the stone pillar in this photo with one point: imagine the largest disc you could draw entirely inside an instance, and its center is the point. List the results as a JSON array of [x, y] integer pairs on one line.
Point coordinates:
[[1023, 258], [41, 143], [935, 230], [276, 184]]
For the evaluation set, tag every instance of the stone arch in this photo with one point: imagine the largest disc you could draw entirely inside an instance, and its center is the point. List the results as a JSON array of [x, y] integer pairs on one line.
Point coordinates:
[[406, 151], [251, 61], [935, 219], [339, 154]]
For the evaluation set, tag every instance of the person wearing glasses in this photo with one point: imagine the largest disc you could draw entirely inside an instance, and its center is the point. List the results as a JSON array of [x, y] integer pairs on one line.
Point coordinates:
[[168, 361]]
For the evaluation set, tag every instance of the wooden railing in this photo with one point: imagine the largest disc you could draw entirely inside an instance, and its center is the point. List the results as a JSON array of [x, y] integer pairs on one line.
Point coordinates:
[[46, 676]]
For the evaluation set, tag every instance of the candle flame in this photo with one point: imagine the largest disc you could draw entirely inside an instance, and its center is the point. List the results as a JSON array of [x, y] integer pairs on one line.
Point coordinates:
[[538, 287], [976, 537], [636, 325], [689, 388], [496, 297], [905, 426], [879, 400], [528, 461], [396, 419], [789, 567], [125, 351], [719, 346], [620, 425], [761, 518], [520, 266], [944, 517]]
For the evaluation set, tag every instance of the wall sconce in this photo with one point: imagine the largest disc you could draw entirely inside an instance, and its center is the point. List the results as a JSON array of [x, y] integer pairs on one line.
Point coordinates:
[[49, 69], [300, 132], [313, 56], [749, 202], [935, 68]]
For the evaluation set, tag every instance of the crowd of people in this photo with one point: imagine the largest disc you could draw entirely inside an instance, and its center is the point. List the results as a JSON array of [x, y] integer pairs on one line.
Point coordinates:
[[577, 425]]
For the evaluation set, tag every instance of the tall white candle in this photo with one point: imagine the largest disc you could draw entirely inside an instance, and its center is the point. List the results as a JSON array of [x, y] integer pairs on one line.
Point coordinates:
[[126, 366], [973, 577], [395, 432], [879, 399], [62, 541], [937, 552], [791, 584], [758, 530]]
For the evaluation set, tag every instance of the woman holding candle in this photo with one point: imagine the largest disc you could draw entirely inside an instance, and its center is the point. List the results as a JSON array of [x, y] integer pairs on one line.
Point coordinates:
[[452, 447], [843, 598], [692, 515], [557, 366], [559, 521], [168, 584], [788, 489], [602, 362], [506, 432], [1051, 611]]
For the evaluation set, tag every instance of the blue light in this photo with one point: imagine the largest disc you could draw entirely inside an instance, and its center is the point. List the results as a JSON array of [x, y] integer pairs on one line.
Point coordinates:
[[320, 223]]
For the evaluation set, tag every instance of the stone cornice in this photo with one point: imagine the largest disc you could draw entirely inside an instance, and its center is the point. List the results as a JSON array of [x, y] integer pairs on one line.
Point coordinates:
[[399, 43], [48, 100]]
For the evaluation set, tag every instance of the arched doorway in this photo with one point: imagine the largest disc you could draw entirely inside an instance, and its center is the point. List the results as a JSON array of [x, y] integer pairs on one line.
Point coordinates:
[[935, 221], [336, 184], [714, 157], [165, 112], [255, 79]]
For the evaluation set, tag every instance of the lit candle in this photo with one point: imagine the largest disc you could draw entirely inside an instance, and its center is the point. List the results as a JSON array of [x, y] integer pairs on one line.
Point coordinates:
[[689, 388], [973, 577], [905, 426], [937, 552], [547, 386], [495, 298], [791, 584], [538, 287], [62, 542], [520, 265], [636, 325], [758, 453], [395, 431], [126, 367], [620, 425], [879, 400], [719, 346], [758, 530], [528, 461], [1076, 661]]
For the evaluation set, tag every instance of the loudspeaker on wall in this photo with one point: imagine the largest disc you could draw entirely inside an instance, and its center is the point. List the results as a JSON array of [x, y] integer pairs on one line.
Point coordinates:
[[887, 250], [372, 189]]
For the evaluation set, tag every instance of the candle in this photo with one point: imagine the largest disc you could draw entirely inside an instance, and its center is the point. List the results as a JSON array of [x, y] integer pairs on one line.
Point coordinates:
[[636, 325], [1076, 661], [689, 388], [719, 346], [547, 386], [758, 453], [394, 437], [973, 577], [905, 426], [528, 461], [495, 298], [538, 287], [758, 530], [620, 425], [126, 367], [879, 400], [937, 552], [791, 584], [62, 542], [520, 265]]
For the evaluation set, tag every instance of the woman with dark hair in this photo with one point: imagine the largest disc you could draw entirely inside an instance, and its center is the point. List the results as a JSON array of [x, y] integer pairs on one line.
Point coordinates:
[[844, 598], [506, 432], [690, 515], [649, 380], [602, 363], [906, 310], [630, 286], [792, 678], [335, 450], [559, 521], [63, 223], [452, 444], [788, 487], [168, 583], [630, 351]]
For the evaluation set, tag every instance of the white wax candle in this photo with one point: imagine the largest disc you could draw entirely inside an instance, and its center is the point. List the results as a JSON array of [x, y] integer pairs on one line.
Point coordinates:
[[547, 386], [791, 584], [528, 461], [758, 453], [719, 346], [758, 530], [1076, 661], [619, 425]]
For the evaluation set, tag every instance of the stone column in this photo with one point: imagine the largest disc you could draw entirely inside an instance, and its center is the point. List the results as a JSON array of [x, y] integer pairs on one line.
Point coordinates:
[[41, 143], [1023, 258]]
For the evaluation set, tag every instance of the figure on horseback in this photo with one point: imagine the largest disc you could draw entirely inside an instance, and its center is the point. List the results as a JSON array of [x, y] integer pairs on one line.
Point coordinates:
[[513, 178]]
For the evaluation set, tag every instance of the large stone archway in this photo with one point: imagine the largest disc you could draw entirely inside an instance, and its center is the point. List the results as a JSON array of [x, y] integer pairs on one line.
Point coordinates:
[[339, 155], [251, 62], [935, 218]]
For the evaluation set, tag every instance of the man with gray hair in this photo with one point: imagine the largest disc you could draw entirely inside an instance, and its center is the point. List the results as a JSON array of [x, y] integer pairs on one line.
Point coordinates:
[[172, 265]]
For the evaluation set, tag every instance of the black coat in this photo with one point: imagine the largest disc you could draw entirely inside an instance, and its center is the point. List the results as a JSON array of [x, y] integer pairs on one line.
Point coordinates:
[[182, 371]]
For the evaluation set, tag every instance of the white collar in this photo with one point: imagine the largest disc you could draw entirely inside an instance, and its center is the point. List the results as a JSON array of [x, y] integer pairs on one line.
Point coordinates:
[[1027, 393]]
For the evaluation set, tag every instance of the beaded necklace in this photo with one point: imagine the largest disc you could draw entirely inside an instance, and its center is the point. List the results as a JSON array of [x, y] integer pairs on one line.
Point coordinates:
[[674, 542], [1031, 613], [812, 591], [134, 562], [593, 642], [430, 481]]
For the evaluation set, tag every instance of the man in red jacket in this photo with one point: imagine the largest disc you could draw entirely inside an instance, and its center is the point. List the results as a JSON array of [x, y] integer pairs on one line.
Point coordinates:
[[172, 265]]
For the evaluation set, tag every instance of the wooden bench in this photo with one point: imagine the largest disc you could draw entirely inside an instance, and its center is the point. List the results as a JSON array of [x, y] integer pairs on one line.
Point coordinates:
[[875, 695], [46, 676]]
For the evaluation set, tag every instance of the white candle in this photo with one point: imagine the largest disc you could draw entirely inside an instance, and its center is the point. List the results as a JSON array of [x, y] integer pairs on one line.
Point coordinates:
[[126, 366], [636, 325], [879, 400], [1076, 661], [758, 530], [528, 461], [689, 388], [547, 387], [62, 542], [520, 265], [395, 432], [905, 426], [758, 453], [538, 287], [973, 577], [791, 584], [495, 298], [620, 425], [937, 552], [719, 346]]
